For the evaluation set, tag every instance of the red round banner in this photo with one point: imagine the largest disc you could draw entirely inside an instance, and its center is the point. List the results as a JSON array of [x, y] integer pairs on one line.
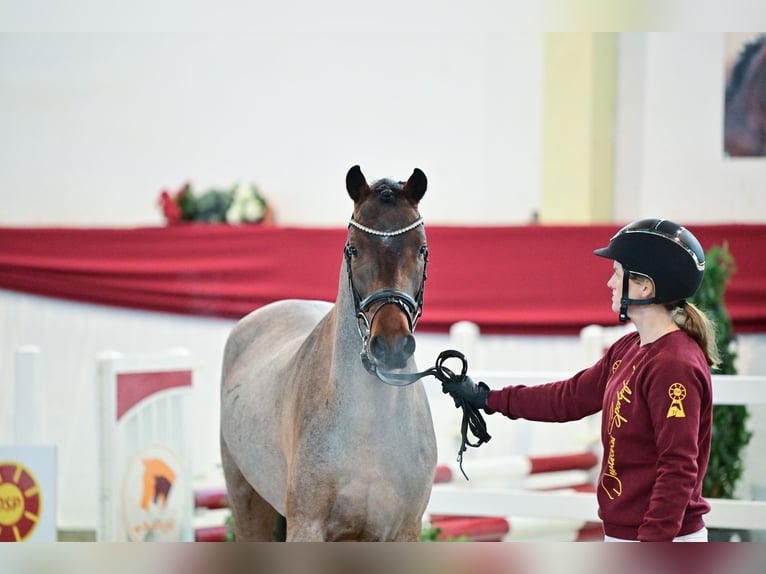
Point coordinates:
[[20, 502]]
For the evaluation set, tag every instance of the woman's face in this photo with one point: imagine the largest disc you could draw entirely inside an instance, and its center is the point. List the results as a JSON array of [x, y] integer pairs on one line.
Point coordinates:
[[637, 289]]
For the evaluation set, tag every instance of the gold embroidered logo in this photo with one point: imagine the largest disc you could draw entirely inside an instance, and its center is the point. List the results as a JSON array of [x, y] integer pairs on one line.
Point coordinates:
[[610, 479], [623, 395], [677, 393]]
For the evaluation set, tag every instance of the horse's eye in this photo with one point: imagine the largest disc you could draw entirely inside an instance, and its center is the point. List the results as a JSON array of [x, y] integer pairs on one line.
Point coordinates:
[[423, 251], [353, 250]]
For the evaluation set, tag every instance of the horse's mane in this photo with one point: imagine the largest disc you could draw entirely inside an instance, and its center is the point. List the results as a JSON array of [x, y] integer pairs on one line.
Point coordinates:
[[739, 71]]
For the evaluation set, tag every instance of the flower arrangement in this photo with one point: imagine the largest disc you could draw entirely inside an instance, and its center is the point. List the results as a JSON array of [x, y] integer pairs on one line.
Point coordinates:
[[239, 204]]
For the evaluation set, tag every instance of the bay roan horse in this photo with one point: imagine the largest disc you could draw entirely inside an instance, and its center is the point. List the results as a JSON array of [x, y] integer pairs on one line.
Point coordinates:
[[307, 432]]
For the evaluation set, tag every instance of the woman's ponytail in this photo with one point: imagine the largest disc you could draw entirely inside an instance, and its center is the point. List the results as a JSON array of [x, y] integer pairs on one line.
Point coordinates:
[[692, 320]]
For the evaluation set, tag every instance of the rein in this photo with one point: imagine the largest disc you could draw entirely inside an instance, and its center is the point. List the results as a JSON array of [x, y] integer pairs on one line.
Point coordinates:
[[472, 417], [412, 306]]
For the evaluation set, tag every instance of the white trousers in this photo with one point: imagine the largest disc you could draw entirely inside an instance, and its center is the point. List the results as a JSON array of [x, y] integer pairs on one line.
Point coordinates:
[[699, 536]]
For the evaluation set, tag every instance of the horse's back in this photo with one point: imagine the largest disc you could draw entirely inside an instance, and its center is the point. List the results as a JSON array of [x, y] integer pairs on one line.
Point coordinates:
[[282, 320], [259, 353]]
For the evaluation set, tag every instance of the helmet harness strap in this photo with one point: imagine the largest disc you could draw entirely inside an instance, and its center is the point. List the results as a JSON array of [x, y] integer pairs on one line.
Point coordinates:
[[625, 300], [624, 297]]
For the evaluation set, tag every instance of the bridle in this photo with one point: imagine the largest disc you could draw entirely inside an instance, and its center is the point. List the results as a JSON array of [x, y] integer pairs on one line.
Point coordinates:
[[412, 307]]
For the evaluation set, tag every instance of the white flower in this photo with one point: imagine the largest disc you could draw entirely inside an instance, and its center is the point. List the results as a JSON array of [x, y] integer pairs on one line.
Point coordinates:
[[234, 214], [246, 205], [253, 210], [242, 192]]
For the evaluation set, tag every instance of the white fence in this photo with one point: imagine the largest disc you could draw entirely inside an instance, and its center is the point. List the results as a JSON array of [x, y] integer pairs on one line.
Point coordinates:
[[465, 500], [479, 497]]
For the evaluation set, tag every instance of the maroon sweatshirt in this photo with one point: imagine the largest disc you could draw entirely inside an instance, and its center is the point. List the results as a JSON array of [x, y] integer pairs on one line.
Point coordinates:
[[655, 430]]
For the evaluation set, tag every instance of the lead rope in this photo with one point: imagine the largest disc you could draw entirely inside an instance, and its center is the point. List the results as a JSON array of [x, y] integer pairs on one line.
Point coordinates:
[[472, 418]]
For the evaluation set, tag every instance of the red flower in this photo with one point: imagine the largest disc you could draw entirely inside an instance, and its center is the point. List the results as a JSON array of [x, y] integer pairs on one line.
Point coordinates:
[[170, 209]]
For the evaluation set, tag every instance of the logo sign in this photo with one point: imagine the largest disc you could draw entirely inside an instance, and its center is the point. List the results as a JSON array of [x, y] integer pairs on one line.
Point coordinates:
[[145, 453], [20, 502], [155, 495], [27, 493]]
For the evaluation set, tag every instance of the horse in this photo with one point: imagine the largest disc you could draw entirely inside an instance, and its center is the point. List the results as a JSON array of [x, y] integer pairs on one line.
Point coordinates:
[[308, 433], [745, 102]]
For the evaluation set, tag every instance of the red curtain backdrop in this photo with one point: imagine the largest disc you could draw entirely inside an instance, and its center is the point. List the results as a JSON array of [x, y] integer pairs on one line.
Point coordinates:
[[513, 280]]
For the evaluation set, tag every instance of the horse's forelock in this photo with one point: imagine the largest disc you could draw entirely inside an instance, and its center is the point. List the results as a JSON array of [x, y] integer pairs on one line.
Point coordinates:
[[385, 207], [387, 190]]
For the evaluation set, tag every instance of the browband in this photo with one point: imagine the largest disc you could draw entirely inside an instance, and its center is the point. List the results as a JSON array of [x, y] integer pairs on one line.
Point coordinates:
[[371, 231]]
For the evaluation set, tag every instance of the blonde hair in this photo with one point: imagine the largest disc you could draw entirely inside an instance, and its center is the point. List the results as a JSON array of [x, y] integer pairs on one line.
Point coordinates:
[[692, 320]]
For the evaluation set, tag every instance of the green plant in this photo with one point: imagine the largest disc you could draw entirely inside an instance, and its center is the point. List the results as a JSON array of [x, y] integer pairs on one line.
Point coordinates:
[[278, 535], [432, 534], [230, 535], [730, 435]]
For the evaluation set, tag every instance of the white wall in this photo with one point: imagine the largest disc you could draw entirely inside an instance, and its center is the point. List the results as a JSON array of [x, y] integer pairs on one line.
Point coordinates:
[[669, 134], [95, 125]]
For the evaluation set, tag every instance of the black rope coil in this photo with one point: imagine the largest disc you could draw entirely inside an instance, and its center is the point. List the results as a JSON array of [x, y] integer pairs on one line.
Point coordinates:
[[472, 421]]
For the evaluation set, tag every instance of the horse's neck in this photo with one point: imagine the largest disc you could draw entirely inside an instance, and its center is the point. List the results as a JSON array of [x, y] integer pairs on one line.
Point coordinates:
[[348, 372], [347, 342]]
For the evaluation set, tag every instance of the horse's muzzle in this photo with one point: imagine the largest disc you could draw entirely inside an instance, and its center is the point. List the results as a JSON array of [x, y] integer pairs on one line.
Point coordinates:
[[392, 352], [389, 346]]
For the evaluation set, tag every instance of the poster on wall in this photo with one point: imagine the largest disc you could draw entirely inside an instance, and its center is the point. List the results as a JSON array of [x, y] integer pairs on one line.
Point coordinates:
[[27, 493], [744, 130]]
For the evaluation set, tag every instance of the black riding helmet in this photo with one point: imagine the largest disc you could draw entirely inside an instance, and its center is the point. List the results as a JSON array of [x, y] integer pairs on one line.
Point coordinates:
[[661, 250]]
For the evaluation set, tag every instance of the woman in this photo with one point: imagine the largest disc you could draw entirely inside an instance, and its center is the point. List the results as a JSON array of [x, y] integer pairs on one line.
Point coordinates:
[[653, 387]]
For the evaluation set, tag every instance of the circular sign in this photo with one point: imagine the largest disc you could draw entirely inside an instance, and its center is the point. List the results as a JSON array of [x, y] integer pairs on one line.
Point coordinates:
[[20, 502]]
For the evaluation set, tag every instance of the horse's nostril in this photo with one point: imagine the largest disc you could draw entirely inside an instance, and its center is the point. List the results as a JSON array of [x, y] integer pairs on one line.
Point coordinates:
[[379, 349], [408, 346]]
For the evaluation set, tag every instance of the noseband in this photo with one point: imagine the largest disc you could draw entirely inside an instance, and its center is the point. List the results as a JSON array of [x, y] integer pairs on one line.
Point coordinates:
[[411, 306]]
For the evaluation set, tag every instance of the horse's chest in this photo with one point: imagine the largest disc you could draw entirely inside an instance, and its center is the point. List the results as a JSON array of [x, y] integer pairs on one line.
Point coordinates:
[[395, 444], [376, 453], [376, 465]]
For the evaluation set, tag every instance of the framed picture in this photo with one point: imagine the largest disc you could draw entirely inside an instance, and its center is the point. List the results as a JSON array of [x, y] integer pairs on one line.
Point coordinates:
[[744, 133]]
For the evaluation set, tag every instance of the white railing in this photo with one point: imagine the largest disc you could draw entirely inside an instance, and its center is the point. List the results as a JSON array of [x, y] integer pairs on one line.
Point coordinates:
[[727, 389], [476, 501], [462, 501]]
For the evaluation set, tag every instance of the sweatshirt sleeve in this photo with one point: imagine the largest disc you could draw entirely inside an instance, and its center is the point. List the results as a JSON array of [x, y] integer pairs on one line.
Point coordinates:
[[560, 401], [674, 396]]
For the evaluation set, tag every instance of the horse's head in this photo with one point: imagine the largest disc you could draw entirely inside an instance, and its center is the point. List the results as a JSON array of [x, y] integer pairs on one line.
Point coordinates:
[[386, 256]]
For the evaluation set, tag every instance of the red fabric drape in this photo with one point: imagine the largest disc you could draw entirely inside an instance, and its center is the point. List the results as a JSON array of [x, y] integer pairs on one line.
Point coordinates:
[[518, 279]]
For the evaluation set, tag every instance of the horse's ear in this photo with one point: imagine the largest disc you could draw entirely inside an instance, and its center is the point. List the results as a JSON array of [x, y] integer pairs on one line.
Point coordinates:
[[356, 184], [415, 188]]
